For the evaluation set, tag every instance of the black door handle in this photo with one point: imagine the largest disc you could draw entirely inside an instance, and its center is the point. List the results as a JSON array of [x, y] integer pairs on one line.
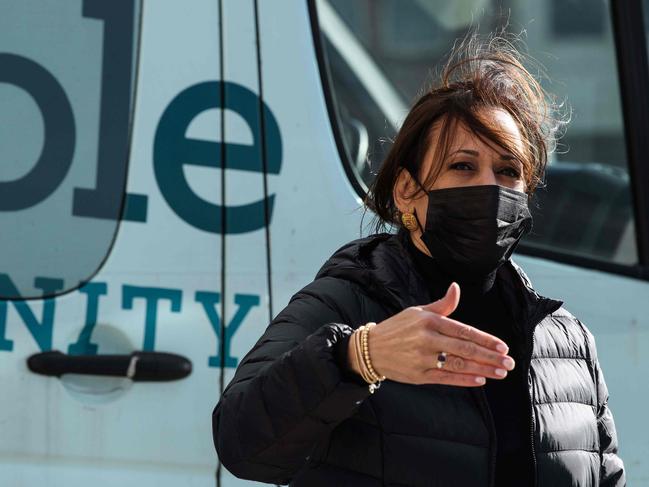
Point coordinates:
[[138, 366]]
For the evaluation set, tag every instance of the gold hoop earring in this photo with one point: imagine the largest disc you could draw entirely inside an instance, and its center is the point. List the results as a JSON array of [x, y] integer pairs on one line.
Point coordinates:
[[409, 221]]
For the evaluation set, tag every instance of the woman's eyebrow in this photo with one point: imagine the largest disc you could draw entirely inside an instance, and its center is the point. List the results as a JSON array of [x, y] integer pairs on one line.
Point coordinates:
[[475, 153], [466, 151], [508, 157]]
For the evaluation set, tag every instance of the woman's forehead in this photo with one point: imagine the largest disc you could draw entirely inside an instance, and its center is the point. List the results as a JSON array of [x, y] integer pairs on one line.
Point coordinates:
[[460, 136]]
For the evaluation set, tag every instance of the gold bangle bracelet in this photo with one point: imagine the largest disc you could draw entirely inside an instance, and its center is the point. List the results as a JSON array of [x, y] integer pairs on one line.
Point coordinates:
[[366, 350], [360, 342], [367, 377], [366, 354], [358, 356]]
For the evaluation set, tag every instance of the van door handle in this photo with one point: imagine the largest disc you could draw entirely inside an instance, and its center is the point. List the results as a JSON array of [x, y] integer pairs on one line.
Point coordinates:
[[138, 366]]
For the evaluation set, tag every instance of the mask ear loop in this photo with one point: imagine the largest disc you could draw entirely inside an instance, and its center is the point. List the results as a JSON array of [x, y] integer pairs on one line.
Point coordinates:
[[414, 211]]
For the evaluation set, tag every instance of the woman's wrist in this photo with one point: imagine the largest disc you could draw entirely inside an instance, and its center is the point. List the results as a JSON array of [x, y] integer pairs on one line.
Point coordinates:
[[359, 360]]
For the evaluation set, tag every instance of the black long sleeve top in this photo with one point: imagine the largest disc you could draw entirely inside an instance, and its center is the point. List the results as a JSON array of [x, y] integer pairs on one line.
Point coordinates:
[[482, 306]]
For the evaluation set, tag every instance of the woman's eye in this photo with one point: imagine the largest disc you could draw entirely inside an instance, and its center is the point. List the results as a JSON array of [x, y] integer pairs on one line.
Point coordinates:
[[460, 166], [511, 172]]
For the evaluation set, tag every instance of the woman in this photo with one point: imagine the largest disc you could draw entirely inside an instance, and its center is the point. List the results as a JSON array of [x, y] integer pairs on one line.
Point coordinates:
[[465, 375]]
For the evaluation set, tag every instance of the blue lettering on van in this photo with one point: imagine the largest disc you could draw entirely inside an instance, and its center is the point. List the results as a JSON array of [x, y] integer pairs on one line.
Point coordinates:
[[151, 295], [172, 150], [83, 346], [59, 130], [209, 301], [41, 329], [105, 199], [49, 171]]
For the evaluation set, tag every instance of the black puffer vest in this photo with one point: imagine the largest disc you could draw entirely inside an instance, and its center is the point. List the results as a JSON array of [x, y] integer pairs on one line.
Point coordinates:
[[291, 415]]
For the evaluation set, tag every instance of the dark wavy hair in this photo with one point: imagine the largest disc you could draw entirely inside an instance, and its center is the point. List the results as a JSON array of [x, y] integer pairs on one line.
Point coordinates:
[[480, 73]]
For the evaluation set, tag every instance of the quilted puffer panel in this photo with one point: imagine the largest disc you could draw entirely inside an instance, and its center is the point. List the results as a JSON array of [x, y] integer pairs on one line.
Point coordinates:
[[568, 468], [560, 379], [560, 335], [566, 426]]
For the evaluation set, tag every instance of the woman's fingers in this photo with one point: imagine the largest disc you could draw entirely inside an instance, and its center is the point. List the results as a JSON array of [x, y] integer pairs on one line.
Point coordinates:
[[457, 329], [405, 347], [460, 365], [472, 351]]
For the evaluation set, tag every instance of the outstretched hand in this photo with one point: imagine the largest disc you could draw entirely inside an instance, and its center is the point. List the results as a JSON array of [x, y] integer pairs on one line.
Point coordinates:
[[405, 346]]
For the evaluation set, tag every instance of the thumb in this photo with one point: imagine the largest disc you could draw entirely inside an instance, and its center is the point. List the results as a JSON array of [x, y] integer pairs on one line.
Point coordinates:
[[447, 304]]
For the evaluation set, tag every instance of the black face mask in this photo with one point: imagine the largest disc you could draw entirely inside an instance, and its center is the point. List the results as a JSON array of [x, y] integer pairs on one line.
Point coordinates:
[[472, 230]]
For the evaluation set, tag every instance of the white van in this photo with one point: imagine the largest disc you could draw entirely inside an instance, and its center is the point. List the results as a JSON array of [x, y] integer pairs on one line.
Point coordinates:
[[172, 172]]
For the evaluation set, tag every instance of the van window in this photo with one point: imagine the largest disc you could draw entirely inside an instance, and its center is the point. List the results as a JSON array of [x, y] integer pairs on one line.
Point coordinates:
[[66, 85], [380, 53]]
